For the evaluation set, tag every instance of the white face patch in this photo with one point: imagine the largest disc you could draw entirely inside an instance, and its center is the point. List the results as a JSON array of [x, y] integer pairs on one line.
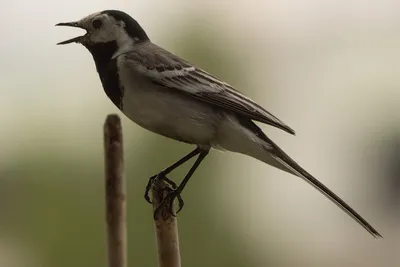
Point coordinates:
[[108, 31]]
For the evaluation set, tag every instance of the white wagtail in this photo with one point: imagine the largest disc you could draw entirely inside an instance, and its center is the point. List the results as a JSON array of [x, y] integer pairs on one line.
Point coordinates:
[[171, 97]]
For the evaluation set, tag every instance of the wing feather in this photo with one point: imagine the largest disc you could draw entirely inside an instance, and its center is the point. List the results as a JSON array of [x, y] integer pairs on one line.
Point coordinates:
[[173, 72]]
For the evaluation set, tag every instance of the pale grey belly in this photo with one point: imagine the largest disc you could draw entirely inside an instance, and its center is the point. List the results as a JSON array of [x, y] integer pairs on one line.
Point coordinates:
[[170, 114]]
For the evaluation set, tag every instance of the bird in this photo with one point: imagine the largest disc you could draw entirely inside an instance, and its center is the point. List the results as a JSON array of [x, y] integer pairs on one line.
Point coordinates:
[[171, 97]]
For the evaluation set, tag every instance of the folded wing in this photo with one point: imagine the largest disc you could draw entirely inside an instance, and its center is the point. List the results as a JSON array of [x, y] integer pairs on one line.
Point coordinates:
[[172, 72]]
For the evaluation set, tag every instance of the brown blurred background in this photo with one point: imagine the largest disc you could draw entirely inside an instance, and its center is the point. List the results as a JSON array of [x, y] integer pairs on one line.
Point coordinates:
[[329, 69]]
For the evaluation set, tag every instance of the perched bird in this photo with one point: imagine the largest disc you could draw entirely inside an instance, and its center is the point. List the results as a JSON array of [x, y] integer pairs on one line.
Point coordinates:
[[171, 97]]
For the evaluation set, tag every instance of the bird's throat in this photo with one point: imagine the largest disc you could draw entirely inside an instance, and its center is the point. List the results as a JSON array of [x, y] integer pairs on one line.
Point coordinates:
[[102, 52], [107, 68]]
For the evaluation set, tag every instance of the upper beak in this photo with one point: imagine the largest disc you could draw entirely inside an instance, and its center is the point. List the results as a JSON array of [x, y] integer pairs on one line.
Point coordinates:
[[73, 40]]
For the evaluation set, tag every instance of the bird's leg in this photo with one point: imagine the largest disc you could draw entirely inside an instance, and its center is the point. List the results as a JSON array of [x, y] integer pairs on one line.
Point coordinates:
[[175, 193], [162, 174]]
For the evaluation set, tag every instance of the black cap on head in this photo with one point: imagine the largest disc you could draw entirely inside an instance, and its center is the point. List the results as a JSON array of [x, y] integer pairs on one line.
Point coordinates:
[[132, 27]]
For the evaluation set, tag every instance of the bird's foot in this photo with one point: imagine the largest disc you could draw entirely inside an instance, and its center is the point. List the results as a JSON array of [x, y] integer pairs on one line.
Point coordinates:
[[166, 207], [171, 185]]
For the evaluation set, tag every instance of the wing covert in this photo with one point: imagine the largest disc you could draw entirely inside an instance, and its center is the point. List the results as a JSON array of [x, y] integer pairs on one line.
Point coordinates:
[[172, 72]]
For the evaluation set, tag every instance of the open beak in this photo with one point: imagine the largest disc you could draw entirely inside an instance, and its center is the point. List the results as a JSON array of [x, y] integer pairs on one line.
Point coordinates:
[[72, 40]]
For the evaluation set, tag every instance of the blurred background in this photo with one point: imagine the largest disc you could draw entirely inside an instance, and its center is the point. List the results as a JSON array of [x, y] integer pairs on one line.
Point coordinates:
[[329, 69]]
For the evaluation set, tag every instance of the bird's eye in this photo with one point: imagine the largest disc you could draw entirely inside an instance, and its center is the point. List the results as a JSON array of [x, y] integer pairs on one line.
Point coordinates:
[[97, 23]]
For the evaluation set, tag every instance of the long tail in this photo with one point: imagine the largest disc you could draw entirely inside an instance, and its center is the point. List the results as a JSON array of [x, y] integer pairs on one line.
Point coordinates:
[[297, 170], [276, 157]]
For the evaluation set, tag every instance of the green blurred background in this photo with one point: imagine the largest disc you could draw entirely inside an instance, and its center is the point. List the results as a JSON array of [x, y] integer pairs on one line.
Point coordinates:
[[329, 69]]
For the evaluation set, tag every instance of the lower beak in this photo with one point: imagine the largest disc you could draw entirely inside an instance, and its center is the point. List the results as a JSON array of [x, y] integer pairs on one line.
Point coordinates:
[[72, 40]]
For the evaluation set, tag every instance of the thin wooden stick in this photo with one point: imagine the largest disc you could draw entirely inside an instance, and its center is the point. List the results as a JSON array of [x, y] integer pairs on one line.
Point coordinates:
[[166, 227], [115, 192]]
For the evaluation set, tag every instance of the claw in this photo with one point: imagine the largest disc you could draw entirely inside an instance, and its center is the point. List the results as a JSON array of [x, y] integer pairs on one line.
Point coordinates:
[[168, 202], [148, 187], [180, 204], [151, 181]]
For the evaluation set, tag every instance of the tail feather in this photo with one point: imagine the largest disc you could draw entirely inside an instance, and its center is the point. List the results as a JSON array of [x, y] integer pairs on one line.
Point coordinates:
[[276, 157], [297, 170]]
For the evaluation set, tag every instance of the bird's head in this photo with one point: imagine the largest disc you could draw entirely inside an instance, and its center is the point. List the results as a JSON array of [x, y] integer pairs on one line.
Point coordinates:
[[107, 27]]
